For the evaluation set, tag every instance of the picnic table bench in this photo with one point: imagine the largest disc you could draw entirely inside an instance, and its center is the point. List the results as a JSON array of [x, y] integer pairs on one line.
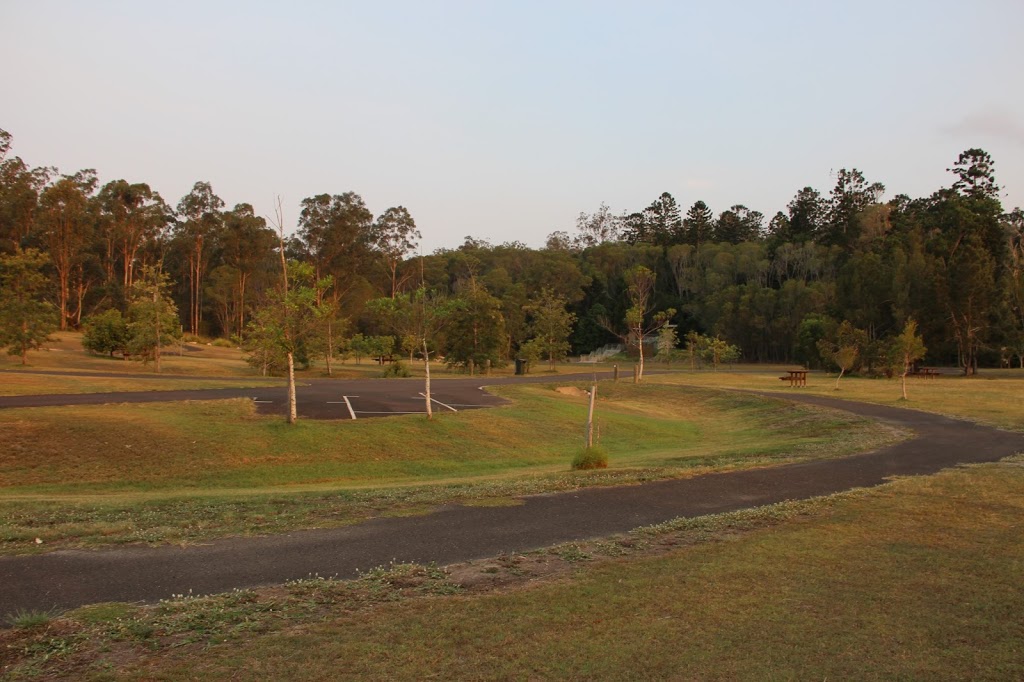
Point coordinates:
[[381, 359], [927, 372], [795, 377]]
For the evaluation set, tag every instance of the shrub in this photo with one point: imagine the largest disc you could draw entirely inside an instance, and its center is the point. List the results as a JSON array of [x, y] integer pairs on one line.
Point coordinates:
[[222, 343], [106, 332], [396, 369], [590, 458]]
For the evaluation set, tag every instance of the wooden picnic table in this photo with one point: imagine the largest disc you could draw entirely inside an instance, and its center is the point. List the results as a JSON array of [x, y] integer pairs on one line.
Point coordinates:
[[795, 377], [928, 372]]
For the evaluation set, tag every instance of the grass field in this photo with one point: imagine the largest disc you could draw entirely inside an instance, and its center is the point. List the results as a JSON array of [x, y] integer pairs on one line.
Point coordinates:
[[920, 579], [995, 397]]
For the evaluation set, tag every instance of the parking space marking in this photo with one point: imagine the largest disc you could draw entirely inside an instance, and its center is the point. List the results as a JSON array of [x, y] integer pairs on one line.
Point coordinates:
[[439, 403], [398, 412], [262, 401], [351, 412]]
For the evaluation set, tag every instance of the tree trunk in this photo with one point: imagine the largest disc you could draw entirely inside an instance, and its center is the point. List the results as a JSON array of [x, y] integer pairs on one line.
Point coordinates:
[[156, 307], [426, 389], [590, 417], [292, 416], [640, 372], [841, 370], [330, 347]]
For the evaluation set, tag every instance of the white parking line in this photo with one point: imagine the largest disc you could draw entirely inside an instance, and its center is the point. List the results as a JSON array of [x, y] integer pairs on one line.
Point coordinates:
[[351, 412], [398, 412], [439, 403], [262, 401]]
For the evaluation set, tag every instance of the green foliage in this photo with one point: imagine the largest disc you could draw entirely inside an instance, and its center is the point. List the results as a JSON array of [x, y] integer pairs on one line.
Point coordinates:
[[152, 317], [370, 346], [476, 330], [594, 457], [26, 319], [292, 323], [550, 326], [395, 370], [106, 333]]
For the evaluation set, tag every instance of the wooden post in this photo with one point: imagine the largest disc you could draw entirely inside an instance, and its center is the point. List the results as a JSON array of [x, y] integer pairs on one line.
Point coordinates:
[[487, 367], [471, 366], [636, 374], [590, 417], [615, 373]]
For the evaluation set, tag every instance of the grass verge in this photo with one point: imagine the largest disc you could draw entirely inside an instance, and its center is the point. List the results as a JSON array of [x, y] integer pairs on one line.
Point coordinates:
[[917, 579]]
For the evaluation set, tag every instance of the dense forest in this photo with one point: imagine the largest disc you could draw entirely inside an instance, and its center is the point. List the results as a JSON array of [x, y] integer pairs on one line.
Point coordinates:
[[830, 270]]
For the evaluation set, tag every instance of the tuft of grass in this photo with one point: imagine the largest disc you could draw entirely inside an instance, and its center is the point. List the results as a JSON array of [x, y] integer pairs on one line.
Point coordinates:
[[28, 619], [594, 457]]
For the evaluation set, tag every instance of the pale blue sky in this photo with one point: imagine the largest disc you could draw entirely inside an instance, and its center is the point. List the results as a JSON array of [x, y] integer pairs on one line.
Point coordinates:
[[505, 120]]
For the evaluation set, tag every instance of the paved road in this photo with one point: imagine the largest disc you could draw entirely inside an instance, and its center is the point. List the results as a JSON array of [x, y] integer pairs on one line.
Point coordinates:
[[321, 398], [70, 578]]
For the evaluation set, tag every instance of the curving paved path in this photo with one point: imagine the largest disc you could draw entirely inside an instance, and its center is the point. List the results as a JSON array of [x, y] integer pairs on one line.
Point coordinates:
[[67, 579]]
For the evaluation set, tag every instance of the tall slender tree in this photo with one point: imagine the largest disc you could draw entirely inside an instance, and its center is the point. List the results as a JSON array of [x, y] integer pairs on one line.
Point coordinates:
[[199, 228]]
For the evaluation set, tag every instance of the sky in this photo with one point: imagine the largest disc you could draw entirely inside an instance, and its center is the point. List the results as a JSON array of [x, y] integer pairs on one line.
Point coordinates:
[[505, 120]]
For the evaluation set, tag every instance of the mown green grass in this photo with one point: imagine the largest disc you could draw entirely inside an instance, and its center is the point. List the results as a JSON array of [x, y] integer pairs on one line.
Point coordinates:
[[14, 383], [922, 579], [180, 471], [995, 397]]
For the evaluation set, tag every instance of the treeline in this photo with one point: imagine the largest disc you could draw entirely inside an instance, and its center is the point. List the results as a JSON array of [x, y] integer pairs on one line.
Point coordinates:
[[776, 287]]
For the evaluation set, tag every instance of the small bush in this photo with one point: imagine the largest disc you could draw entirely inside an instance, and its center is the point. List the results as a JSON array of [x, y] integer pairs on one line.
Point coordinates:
[[591, 458], [397, 369], [222, 343]]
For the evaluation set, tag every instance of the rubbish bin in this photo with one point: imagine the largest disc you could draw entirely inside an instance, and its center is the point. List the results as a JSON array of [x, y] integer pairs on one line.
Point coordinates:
[[520, 366]]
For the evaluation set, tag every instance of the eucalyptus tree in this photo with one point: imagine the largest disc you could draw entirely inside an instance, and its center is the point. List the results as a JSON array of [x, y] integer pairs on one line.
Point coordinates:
[[247, 247], [132, 217], [201, 221], [336, 233], [20, 187], [639, 289], [597, 227], [67, 223], [394, 236]]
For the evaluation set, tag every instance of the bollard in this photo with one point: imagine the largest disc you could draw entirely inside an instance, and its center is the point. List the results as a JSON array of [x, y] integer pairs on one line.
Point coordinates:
[[615, 373]]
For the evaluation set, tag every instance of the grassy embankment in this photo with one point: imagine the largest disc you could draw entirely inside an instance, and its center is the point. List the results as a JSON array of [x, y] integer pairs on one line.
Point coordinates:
[[920, 579], [88, 475]]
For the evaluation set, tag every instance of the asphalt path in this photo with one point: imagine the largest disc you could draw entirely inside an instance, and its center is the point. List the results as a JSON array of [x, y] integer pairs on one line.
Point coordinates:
[[66, 579], [320, 398]]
